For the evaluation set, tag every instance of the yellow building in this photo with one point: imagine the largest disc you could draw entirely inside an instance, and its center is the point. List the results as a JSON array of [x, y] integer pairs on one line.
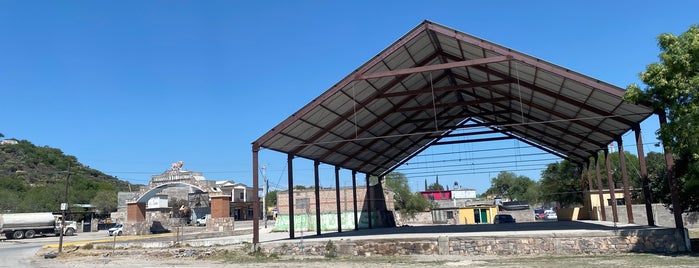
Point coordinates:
[[477, 214], [591, 209]]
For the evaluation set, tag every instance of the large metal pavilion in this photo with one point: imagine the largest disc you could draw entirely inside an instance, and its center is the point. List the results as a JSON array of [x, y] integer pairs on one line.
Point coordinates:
[[434, 81]]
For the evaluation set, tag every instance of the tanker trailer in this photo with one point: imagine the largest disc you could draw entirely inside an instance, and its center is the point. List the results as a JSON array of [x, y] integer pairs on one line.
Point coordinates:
[[28, 225]]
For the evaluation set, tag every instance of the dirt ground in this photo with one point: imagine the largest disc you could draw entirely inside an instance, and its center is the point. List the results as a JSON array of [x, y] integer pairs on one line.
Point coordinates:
[[238, 256]]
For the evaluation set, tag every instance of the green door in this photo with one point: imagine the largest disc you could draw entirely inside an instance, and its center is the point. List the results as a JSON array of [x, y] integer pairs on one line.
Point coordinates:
[[484, 216]]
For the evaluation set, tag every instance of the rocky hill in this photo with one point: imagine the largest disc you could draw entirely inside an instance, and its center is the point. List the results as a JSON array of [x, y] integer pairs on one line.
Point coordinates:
[[33, 178]]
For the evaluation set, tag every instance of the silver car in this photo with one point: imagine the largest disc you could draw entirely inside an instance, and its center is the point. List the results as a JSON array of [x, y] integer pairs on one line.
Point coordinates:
[[116, 230]]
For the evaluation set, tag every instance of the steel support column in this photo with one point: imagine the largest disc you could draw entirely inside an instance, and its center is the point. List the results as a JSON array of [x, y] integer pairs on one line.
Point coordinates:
[[644, 176], [582, 180], [256, 198], [600, 192], [610, 185], [354, 199], [337, 197], [590, 184], [317, 192], [368, 200], [674, 187], [625, 180], [590, 187], [290, 184]]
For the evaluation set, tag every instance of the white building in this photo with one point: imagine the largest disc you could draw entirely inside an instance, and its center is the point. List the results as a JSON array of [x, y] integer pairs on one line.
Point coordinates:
[[463, 194]]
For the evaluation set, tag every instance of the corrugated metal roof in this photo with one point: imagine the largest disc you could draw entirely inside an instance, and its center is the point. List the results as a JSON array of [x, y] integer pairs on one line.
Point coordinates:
[[436, 80]]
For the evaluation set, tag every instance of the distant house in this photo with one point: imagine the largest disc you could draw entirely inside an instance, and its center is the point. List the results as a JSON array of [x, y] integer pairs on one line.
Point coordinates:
[[458, 194], [242, 198], [463, 194], [436, 195], [9, 142]]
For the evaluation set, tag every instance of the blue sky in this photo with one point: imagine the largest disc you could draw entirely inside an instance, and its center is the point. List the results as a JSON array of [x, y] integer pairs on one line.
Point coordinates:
[[129, 87]]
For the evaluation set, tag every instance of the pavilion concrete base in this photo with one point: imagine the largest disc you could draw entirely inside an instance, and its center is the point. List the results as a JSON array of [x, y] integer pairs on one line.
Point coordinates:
[[560, 238]]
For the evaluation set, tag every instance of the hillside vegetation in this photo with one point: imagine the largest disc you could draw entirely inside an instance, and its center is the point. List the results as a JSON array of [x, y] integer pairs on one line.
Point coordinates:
[[33, 179]]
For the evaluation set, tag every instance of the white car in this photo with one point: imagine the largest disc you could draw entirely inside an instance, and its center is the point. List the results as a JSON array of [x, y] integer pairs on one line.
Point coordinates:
[[201, 221], [550, 215], [116, 230]]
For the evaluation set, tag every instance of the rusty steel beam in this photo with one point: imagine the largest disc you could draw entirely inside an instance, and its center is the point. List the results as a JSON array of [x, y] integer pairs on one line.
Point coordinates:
[[453, 104], [290, 184], [435, 67], [645, 181], [610, 185], [337, 198], [600, 193], [316, 176], [341, 85], [538, 63], [625, 180], [354, 199], [472, 140], [440, 89], [256, 199]]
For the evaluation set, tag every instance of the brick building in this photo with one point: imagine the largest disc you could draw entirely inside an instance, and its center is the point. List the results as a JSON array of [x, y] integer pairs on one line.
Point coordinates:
[[380, 199]]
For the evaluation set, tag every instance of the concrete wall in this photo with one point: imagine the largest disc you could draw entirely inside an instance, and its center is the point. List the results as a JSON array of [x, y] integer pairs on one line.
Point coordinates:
[[662, 216], [328, 200], [328, 221], [417, 218], [602, 242]]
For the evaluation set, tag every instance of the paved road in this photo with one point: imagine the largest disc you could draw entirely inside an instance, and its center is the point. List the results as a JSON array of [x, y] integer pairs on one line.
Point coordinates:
[[18, 253]]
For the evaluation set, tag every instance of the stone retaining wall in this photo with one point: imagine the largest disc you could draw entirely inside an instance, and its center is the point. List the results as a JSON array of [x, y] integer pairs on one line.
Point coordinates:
[[602, 242]]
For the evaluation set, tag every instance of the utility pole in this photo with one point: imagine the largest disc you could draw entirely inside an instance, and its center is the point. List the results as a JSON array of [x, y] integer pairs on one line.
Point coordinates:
[[265, 189], [64, 207]]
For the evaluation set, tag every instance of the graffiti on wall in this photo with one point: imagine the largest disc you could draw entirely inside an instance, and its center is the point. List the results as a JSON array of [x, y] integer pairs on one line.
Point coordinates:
[[328, 222]]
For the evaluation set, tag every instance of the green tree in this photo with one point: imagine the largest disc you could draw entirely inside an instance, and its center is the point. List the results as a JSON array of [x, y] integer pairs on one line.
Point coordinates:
[[658, 184], [416, 203], [406, 201], [105, 201], [560, 182], [10, 201], [435, 186], [510, 185], [673, 92], [271, 198]]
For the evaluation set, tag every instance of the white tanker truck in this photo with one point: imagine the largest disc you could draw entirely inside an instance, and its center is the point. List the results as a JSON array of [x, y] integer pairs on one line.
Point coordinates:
[[28, 225]]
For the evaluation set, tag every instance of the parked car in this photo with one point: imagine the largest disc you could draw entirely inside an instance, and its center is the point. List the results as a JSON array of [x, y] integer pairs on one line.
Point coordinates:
[[539, 214], [504, 218], [201, 221], [116, 230], [550, 215]]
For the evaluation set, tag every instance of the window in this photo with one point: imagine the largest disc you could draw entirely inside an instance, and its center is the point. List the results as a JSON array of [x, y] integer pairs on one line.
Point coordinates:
[[450, 215], [619, 202], [241, 196]]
